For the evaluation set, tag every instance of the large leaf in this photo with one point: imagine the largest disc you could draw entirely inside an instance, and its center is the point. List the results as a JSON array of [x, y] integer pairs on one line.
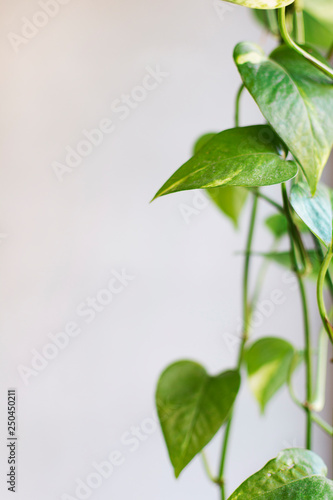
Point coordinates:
[[192, 406], [295, 474], [315, 211], [242, 156], [268, 364], [295, 98], [262, 4], [229, 199]]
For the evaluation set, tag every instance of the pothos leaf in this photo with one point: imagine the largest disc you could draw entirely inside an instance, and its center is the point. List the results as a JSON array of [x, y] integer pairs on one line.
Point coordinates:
[[295, 98], [229, 199], [192, 406], [242, 156], [295, 474], [268, 363]]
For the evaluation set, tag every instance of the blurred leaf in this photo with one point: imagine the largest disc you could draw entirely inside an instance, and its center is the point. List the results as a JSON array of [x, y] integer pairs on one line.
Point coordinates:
[[192, 406], [277, 224], [268, 364], [230, 200], [243, 156], [295, 474], [315, 211]]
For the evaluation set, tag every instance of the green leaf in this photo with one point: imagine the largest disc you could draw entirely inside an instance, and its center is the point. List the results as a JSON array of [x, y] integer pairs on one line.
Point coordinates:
[[268, 363], [192, 406], [315, 211], [284, 259], [295, 98], [229, 199], [295, 474], [262, 4], [243, 156], [320, 9], [277, 224]]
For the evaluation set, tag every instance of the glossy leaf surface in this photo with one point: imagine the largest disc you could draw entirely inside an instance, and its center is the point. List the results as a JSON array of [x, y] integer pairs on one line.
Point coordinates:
[[268, 363], [295, 98], [295, 474], [243, 156], [229, 199], [315, 211], [192, 406]]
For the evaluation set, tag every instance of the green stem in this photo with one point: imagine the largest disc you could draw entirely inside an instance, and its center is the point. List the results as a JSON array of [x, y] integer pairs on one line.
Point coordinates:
[[318, 402], [276, 205], [290, 42], [324, 425], [206, 467], [238, 97], [320, 293], [321, 256], [299, 18], [307, 338], [246, 327]]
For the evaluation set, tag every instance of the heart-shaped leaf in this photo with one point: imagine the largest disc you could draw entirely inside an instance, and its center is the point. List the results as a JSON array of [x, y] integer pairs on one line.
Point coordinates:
[[262, 4], [315, 211], [295, 474], [277, 224], [192, 406], [242, 156], [302, 115], [229, 199], [268, 364]]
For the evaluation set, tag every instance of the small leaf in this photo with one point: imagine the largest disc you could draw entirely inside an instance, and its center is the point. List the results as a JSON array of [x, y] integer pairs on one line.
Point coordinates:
[[268, 363], [315, 211], [192, 406], [277, 224], [243, 156], [229, 199], [262, 4], [302, 115], [284, 259], [295, 474]]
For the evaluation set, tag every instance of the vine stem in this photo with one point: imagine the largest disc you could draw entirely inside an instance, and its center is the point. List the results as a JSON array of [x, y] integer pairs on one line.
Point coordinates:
[[237, 106], [320, 293], [246, 328], [290, 42], [307, 337]]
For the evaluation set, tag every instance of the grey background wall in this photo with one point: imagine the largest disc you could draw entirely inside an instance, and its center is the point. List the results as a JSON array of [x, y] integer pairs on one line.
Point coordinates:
[[67, 229]]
